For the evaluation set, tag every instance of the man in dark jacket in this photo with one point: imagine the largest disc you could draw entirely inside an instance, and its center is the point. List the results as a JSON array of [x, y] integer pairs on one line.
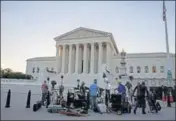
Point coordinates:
[[83, 89], [141, 91]]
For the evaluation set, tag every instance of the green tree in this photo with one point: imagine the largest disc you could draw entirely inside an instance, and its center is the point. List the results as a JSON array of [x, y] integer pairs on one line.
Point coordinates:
[[8, 70], [2, 72], [8, 73]]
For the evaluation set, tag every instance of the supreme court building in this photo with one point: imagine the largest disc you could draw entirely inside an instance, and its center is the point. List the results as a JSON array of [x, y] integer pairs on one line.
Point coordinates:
[[86, 53]]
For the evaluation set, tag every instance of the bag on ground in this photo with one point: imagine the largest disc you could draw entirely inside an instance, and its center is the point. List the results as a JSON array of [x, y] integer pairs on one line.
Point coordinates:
[[102, 107], [158, 106], [55, 108]]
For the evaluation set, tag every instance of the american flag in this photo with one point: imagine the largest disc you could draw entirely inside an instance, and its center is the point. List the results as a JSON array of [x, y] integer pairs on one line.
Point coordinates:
[[164, 11]]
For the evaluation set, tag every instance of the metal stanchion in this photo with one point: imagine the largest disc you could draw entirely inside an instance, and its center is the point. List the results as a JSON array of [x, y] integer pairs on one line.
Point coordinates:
[[28, 99], [8, 99]]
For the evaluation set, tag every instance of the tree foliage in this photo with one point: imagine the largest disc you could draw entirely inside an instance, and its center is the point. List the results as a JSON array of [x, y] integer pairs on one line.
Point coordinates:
[[8, 73]]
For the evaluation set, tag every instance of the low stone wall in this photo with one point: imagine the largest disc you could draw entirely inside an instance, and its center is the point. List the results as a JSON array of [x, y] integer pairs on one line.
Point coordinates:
[[154, 82], [19, 81], [149, 82]]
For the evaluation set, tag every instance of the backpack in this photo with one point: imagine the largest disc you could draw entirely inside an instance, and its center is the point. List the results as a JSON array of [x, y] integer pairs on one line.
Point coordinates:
[[102, 107], [55, 108], [158, 106], [37, 106]]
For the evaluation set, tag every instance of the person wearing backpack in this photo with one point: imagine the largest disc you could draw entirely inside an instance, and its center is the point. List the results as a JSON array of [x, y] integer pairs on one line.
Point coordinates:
[[141, 91]]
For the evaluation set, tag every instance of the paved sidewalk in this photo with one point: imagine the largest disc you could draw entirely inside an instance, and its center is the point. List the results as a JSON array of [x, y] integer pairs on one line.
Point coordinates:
[[17, 111]]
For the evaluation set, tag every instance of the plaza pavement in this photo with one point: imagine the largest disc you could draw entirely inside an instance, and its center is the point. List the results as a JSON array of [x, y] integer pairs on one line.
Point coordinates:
[[17, 111]]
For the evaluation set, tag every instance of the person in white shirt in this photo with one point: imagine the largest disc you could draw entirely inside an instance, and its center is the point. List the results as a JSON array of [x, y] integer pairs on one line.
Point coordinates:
[[128, 86], [107, 91]]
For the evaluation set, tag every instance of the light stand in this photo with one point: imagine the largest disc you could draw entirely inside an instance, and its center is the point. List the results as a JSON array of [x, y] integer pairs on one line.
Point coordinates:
[[106, 95], [78, 81], [62, 79], [61, 90], [48, 79]]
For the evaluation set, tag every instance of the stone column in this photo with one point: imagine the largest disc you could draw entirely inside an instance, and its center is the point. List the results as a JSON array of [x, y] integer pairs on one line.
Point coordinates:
[[77, 58], [92, 58], [70, 59], [100, 57], [108, 55], [85, 59], [57, 59], [63, 59]]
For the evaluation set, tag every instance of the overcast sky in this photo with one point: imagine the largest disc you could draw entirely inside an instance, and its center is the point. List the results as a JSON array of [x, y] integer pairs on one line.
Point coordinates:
[[28, 28]]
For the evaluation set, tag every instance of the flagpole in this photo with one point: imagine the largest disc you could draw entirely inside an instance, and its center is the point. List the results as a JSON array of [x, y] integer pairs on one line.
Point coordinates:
[[167, 41]]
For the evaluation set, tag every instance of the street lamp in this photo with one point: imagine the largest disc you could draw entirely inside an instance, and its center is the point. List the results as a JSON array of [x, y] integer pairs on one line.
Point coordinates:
[[169, 73]]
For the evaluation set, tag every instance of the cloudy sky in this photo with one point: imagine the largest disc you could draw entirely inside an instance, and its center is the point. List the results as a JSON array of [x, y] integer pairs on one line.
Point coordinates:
[[28, 28]]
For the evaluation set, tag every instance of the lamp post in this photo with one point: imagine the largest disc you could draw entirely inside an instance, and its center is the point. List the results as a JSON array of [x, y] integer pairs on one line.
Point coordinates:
[[104, 76], [169, 73]]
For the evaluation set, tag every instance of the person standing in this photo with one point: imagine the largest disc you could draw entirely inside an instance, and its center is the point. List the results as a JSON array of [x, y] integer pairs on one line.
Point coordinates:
[[83, 89], [44, 89], [93, 94], [107, 93], [141, 91], [122, 90], [129, 92], [137, 92]]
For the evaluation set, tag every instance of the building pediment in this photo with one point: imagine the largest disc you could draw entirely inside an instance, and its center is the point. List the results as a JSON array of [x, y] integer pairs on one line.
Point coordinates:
[[82, 33]]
